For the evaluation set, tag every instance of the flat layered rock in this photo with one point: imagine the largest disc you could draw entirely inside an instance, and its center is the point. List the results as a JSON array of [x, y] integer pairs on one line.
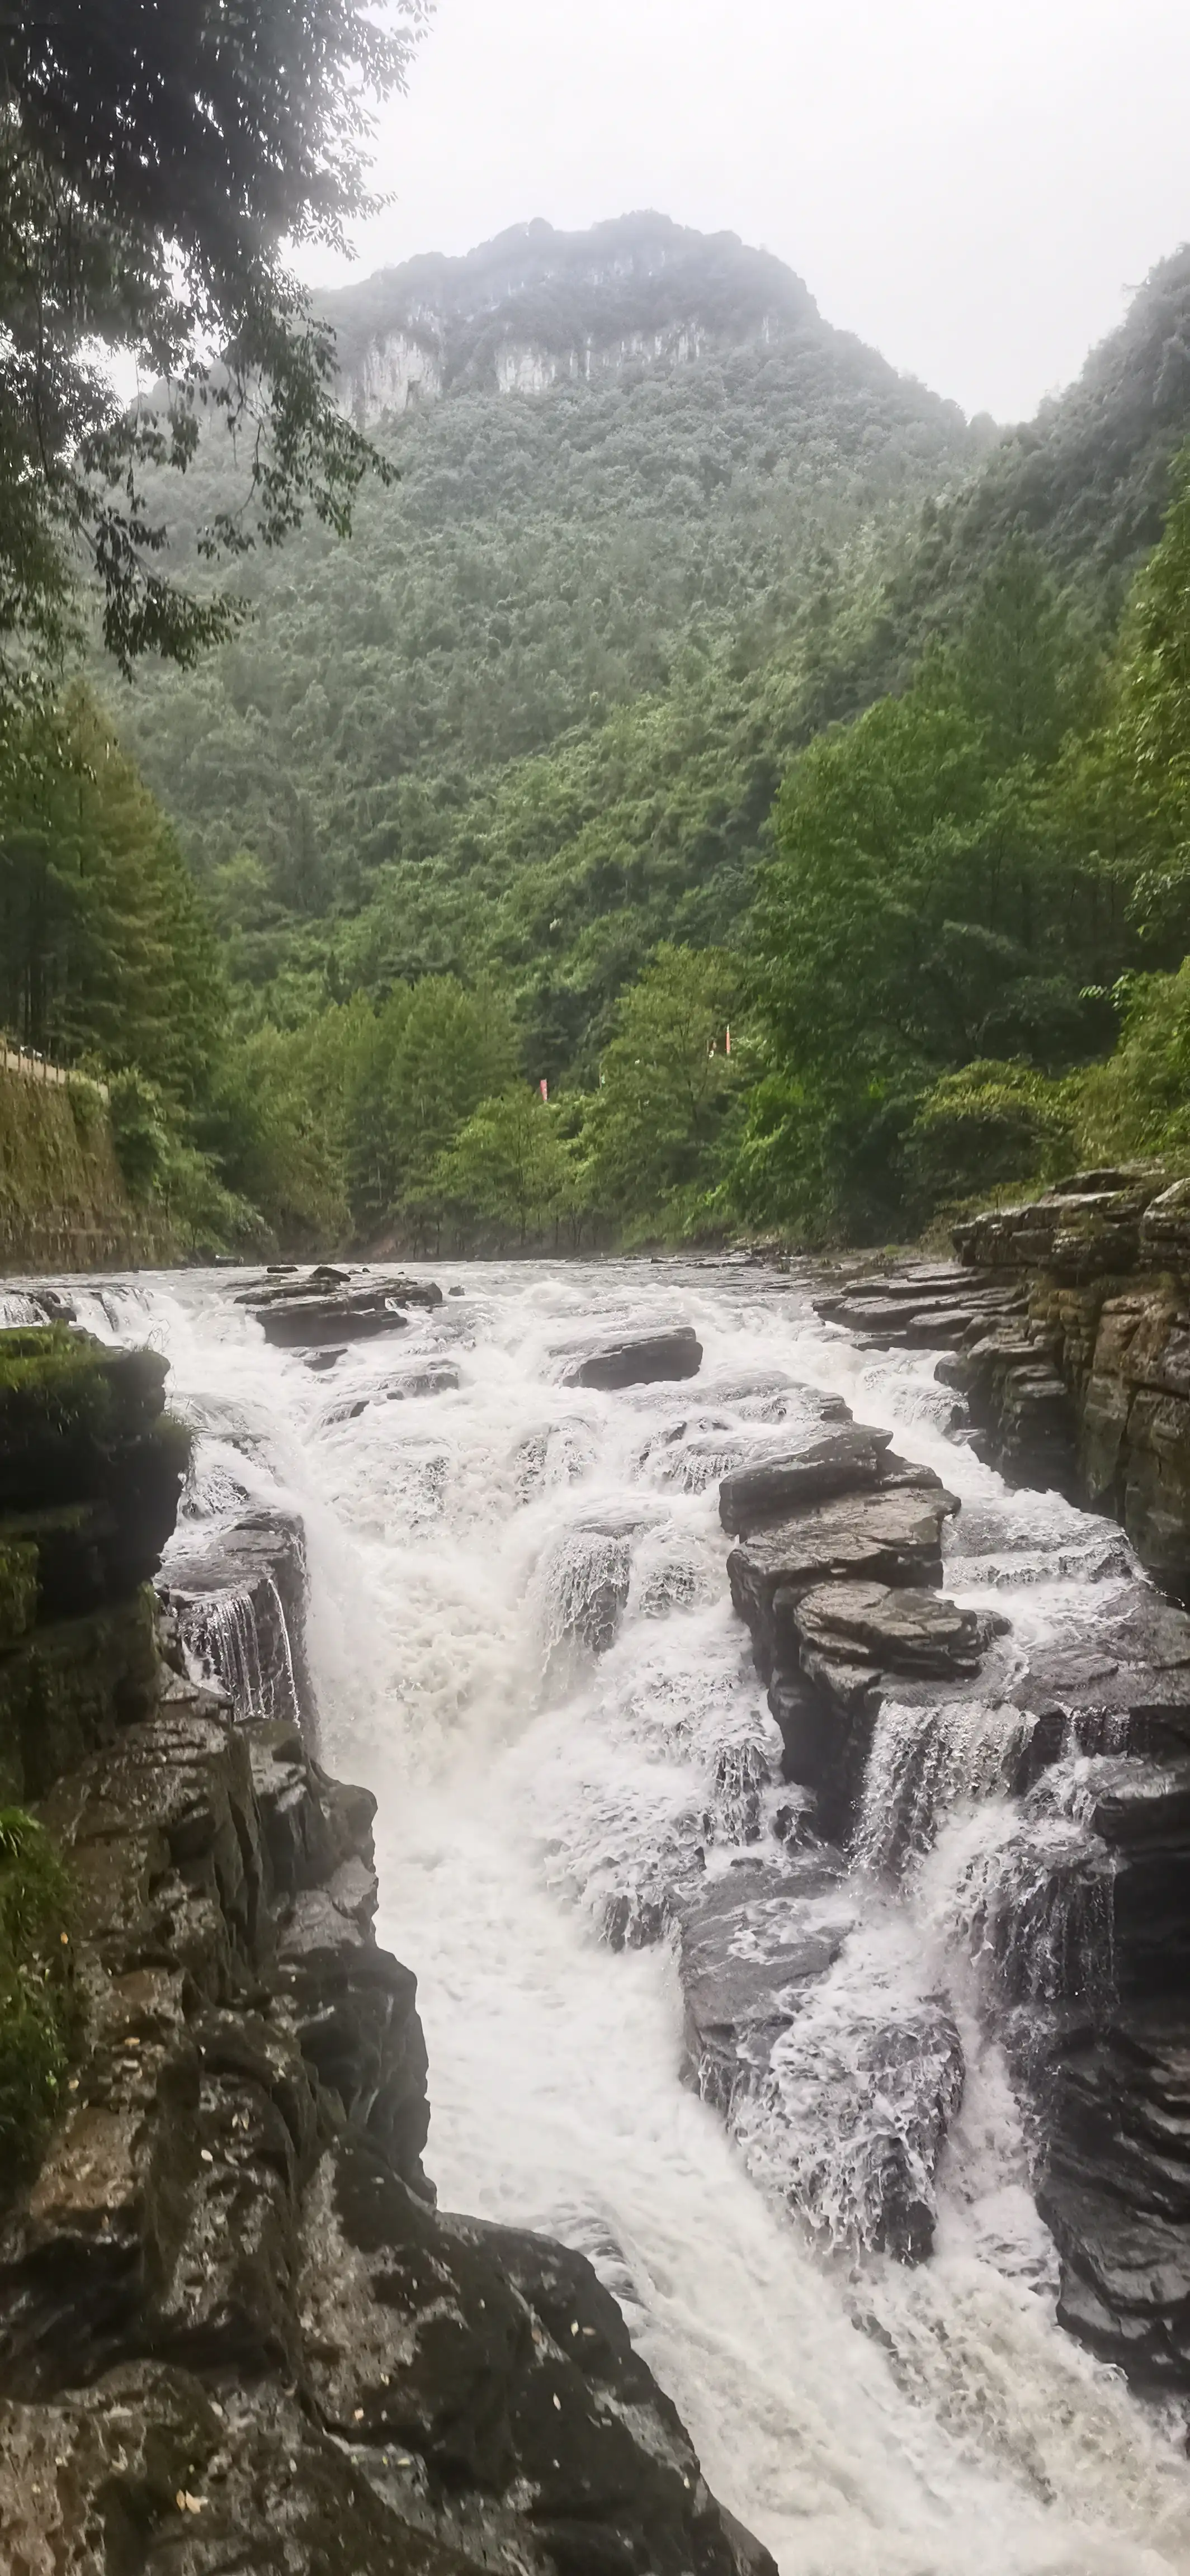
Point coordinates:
[[1125, 1686], [1087, 1224], [842, 1461], [895, 1630], [920, 1308], [883, 1537], [1115, 2189], [637, 1359]]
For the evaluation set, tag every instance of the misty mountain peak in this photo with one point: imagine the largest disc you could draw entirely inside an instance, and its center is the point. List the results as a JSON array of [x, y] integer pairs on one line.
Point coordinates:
[[537, 307]]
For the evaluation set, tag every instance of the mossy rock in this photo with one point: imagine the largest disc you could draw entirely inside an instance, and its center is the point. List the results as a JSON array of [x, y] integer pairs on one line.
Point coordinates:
[[67, 1689], [18, 1587], [91, 1469], [39, 2012], [67, 1405]]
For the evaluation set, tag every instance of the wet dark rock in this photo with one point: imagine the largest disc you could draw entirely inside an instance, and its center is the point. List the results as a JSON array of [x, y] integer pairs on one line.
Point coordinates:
[[233, 2330], [889, 1538], [148, 2471], [842, 1461], [749, 1940], [1115, 2189], [853, 1556], [1124, 1687], [335, 1307], [421, 1377], [1069, 1345], [501, 2361], [326, 1359], [352, 2011], [348, 1411], [1019, 1408], [854, 2144], [895, 1630], [350, 1315], [239, 1597], [918, 1306], [638, 1359]]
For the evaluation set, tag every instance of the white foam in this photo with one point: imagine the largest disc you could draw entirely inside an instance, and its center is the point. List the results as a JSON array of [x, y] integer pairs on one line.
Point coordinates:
[[865, 2420]]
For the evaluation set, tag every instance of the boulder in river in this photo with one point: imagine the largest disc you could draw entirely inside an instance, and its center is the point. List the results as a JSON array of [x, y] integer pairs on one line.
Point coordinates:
[[344, 1315], [882, 1537], [637, 1359], [842, 1461], [895, 1629], [841, 2102], [239, 1595]]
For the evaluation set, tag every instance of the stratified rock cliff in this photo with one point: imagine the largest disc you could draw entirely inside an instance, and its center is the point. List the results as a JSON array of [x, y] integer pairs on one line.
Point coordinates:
[[1088, 1388], [234, 2329], [1064, 1333]]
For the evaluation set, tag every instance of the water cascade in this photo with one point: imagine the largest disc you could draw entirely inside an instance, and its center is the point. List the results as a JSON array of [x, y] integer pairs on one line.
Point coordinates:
[[519, 1633]]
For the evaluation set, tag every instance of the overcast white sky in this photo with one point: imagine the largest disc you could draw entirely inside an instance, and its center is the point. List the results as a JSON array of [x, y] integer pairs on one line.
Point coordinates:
[[973, 188]]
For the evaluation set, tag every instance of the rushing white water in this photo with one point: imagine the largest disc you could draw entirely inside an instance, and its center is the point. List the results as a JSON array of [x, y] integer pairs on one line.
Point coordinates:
[[522, 1640]]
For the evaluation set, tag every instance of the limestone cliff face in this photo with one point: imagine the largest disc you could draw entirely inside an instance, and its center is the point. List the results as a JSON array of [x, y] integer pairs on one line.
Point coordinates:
[[536, 308], [234, 2329], [1089, 1387]]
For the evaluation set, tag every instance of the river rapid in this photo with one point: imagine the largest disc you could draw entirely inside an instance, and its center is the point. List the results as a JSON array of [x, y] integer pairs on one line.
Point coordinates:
[[863, 2419]]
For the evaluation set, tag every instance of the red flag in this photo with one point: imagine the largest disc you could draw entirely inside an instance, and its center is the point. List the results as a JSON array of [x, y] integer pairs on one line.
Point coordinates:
[[728, 1048], [544, 1088]]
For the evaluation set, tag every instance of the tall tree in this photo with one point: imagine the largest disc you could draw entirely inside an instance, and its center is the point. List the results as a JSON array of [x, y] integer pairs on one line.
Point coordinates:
[[155, 165], [104, 946], [666, 1084], [1022, 665]]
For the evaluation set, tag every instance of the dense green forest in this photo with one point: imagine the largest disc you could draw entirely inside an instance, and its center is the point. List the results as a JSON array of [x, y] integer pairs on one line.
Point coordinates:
[[734, 689]]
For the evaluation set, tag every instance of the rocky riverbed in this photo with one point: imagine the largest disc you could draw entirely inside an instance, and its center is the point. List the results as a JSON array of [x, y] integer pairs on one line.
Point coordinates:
[[727, 1718], [234, 2328]]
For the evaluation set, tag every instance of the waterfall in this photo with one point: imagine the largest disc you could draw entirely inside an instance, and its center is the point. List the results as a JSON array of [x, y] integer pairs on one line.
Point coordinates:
[[522, 1641], [924, 1763], [240, 1641]]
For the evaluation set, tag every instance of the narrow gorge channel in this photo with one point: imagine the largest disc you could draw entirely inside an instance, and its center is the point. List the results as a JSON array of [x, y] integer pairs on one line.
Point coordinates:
[[520, 1635]]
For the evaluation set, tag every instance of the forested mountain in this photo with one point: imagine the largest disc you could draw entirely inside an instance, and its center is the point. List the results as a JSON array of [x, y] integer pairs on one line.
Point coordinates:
[[1088, 479], [486, 794], [698, 460]]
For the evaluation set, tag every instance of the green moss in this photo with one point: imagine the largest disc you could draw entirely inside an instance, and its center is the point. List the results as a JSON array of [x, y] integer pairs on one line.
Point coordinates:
[[63, 1202], [69, 1688], [68, 1406], [56, 1372], [18, 1588], [38, 2007]]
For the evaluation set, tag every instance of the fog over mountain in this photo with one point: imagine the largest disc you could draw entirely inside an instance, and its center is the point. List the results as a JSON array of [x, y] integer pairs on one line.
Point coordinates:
[[976, 194]]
